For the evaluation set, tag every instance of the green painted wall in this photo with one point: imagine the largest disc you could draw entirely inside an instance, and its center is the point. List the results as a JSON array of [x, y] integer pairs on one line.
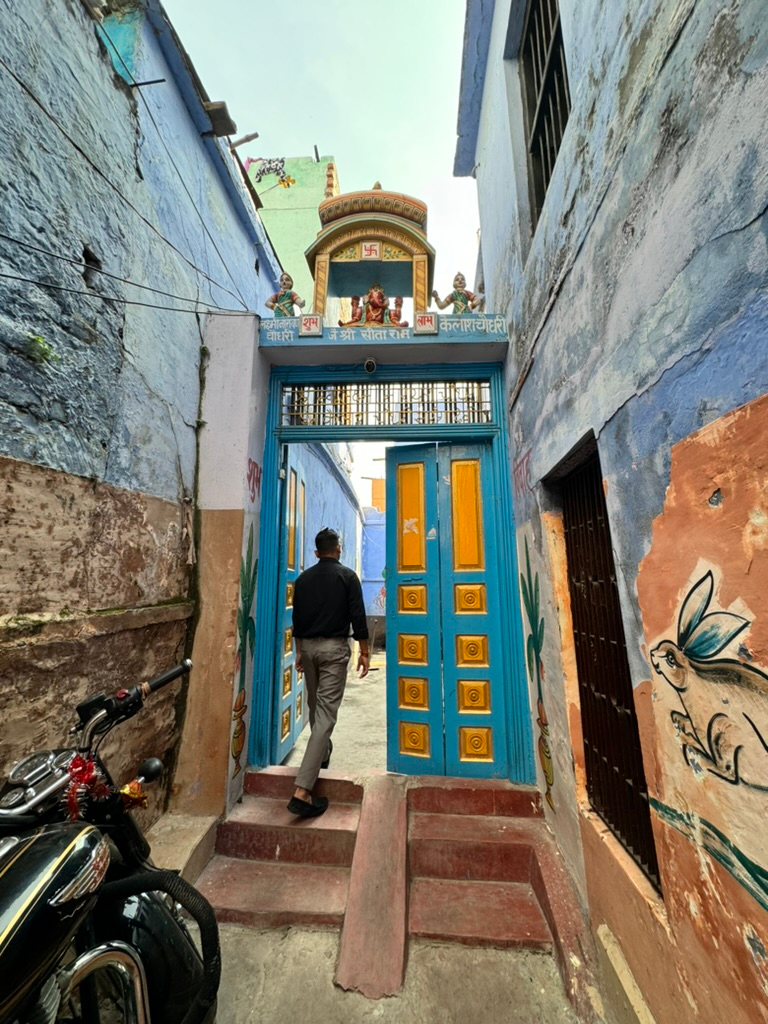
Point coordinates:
[[290, 215]]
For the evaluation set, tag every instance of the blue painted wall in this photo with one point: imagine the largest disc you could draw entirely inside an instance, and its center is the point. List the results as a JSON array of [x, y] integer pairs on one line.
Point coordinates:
[[330, 502], [639, 299], [638, 316], [88, 161], [374, 561]]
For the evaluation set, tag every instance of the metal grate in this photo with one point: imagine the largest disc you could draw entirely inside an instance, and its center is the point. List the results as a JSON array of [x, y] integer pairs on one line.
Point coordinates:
[[392, 404], [613, 757], [546, 96]]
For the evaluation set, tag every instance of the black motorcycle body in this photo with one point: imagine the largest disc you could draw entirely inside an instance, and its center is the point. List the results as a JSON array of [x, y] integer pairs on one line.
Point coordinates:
[[41, 907], [80, 896]]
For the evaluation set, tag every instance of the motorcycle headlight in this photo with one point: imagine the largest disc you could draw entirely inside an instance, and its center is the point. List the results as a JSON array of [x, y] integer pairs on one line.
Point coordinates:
[[88, 878]]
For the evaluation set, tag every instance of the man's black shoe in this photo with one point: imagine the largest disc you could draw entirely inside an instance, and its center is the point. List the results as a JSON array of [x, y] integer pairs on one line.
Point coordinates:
[[305, 809], [327, 761]]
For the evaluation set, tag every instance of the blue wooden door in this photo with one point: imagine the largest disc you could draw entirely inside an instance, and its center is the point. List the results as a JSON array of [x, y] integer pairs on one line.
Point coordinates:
[[445, 678], [291, 716]]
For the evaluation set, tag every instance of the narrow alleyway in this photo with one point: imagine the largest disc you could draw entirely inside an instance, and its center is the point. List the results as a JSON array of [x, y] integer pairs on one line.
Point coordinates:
[[360, 737], [289, 972]]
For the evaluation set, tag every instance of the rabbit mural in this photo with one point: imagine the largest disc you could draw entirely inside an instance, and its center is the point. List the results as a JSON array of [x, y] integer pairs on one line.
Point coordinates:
[[724, 723]]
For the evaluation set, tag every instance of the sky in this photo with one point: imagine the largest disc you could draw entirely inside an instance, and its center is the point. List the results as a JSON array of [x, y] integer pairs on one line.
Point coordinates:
[[375, 85]]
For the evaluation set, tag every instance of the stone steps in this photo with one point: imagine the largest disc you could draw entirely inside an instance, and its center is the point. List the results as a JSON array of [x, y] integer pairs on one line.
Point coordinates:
[[454, 860], [271, 869], [261, 828], [500, 914], [272, 894]]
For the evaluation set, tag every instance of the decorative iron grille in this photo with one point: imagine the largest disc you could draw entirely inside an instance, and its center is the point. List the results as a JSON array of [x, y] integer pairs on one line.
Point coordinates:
[[387, 404], [546, 96], [613, 757]]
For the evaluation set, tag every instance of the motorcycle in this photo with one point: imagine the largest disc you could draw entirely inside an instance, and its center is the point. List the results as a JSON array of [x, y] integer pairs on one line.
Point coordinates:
[[90, 931]]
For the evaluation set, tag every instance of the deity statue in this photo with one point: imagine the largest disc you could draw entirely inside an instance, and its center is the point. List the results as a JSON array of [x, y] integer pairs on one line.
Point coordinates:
[[395, 314], [462, 299], [376, 304], [283, 301], [357, 313], [374, 309]]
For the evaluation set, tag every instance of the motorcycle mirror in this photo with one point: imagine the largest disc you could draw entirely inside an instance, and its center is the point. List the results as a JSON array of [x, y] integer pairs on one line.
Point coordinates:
[[150, 769]]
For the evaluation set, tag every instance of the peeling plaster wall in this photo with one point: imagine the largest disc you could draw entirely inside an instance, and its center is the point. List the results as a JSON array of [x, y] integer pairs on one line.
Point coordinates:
[[99, 391], [638, 313]]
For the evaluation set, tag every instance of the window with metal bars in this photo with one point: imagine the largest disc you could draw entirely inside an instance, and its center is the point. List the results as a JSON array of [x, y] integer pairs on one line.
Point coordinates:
[[546, 96], [388, 404], [613, 758]]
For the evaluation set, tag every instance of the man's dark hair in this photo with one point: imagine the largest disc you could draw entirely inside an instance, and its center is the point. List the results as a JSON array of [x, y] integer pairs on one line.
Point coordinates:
[[326, 541]]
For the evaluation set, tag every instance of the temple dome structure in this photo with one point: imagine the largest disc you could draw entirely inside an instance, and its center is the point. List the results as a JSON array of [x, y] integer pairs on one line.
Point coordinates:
[[372, 236]]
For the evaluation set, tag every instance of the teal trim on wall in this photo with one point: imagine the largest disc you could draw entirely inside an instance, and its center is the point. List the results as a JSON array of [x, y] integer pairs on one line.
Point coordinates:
[[520, 731]]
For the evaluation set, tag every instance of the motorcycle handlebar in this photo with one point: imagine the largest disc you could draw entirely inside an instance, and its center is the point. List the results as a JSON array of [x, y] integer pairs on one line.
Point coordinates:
[[167, 677]]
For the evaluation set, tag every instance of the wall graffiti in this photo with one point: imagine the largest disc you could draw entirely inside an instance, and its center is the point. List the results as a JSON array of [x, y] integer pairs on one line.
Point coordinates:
[[533, 647], [254, 479], [723, 727], [521, 474]]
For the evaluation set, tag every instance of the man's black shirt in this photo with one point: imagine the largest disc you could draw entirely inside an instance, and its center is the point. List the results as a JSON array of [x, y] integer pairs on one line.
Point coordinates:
[[326, 598]]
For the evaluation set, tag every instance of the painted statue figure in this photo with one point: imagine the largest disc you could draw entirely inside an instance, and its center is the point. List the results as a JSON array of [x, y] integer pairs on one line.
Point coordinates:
[[357, 313], [395, 315], [463, 300], [283, 301], [724, 723], [376, 304]]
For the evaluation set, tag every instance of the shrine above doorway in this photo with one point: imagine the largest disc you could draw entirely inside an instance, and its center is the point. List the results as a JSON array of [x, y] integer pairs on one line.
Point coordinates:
[[374, 240]]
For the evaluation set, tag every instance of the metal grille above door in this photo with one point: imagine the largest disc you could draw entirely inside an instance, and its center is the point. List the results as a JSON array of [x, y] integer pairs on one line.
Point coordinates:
[[613, 758], [387, 404]]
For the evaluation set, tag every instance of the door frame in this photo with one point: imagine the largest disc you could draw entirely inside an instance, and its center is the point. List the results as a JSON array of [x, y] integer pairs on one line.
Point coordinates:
[[519, 732]]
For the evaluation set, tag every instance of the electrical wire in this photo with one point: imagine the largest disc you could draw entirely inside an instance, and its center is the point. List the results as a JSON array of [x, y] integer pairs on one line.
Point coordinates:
[[54, 120], [115, 277], [148, 109], [125, 302]]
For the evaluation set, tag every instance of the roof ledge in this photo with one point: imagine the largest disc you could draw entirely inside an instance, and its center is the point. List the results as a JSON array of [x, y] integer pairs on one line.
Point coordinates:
[[221, 123]]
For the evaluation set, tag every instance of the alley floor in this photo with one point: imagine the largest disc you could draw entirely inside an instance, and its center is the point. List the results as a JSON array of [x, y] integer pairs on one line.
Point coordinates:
[[360, 736], [287, 973]]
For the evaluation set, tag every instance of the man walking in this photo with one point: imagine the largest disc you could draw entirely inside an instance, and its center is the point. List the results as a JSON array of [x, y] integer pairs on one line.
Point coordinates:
[[326, 599]]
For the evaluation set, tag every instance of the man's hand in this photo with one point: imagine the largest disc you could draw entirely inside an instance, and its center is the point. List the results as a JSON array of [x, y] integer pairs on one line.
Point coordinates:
[[299, 664], [363, 662]]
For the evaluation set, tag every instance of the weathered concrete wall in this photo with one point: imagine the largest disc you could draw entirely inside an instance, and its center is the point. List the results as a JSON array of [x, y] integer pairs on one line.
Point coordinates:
[[92, 596], [214, 742], [638, 315], [113, 204]]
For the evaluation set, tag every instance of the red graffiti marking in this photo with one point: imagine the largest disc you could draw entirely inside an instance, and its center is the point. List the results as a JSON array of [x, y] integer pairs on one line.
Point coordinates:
[[521, 474], [254, 479]]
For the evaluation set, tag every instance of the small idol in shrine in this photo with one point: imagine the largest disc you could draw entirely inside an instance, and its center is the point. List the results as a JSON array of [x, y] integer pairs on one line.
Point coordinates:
[[376, 305], [283, 301], [373, 308], [463, 300]]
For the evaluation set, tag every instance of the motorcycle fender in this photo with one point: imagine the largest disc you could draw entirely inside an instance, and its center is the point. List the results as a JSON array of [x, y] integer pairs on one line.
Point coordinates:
[[172, 964]]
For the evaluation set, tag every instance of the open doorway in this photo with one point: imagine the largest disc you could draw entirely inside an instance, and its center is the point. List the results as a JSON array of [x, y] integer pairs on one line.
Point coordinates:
[[455, 688], [343, 486]]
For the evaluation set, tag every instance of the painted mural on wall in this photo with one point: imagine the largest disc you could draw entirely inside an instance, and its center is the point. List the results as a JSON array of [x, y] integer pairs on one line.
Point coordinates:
[[723, 727], [703, 599], [529, 586], [246, 642]]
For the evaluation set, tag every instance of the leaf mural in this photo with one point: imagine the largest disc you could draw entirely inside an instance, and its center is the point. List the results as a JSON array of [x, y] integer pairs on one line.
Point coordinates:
[[533, 648], [246, 622], [246, 635]]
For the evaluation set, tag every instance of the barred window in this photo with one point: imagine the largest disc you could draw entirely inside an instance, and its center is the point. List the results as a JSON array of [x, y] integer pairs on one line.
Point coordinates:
[[546, 96], [389, 404]]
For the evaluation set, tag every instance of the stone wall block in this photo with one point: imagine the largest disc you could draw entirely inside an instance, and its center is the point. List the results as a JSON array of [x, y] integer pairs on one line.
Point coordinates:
[[70, 545], [46, 674]]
